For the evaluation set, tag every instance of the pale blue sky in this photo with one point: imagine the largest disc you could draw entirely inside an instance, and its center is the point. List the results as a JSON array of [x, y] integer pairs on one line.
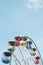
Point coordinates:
[[18, 19]]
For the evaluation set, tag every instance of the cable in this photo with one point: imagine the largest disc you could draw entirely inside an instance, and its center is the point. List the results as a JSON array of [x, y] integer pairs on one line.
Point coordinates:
[[22, 56], [16, 58]]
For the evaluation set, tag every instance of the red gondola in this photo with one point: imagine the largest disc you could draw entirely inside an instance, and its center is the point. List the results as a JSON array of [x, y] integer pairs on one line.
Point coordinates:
[[18, 38]]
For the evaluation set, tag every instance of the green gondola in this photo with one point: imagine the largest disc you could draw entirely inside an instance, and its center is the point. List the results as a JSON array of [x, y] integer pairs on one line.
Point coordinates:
[[12, 43]]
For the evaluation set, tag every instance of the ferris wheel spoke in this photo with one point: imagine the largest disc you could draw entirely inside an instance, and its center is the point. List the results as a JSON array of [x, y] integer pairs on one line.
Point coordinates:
[[15, 62], [16, 59], [10, 60], [22, 56]]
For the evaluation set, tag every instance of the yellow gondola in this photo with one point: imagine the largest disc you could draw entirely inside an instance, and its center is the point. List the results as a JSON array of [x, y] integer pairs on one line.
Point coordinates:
[[33, 53], [22, 42], [10, 48]]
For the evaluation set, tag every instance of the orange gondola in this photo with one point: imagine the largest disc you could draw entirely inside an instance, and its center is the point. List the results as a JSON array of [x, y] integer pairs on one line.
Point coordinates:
[[24, 38]]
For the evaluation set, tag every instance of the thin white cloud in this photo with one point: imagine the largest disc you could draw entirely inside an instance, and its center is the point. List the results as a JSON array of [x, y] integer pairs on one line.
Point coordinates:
[[34, 4]]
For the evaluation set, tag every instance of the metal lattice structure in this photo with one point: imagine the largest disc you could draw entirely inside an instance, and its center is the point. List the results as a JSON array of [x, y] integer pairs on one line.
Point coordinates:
[[22, 51]]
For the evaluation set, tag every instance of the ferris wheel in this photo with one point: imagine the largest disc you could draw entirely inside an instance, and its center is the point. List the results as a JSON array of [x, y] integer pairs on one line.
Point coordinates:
[[22, 51]]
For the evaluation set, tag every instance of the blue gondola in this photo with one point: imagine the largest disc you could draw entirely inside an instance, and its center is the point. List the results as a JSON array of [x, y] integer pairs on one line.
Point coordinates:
[[5, 60], [28, 46]]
